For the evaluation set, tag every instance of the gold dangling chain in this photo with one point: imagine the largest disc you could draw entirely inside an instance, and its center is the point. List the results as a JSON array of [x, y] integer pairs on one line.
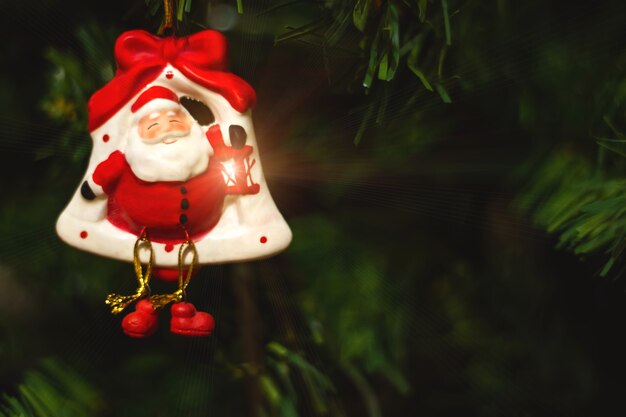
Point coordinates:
[[160, 301], [119, 302]]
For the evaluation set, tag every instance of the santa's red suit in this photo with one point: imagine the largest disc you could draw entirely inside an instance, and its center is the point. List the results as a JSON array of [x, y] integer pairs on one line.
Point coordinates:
[[169, 208], [164, 208]]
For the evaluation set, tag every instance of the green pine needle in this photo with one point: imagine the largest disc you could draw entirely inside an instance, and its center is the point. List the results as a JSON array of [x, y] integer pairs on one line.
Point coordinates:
[[446, 21]]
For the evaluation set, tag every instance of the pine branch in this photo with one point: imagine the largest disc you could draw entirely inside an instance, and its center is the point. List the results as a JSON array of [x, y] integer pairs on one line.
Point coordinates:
[[52, 391], [586, 209]]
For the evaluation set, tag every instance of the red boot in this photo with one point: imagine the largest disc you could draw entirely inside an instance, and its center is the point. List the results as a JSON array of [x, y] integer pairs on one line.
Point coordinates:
[[142, 322], [186, 321]]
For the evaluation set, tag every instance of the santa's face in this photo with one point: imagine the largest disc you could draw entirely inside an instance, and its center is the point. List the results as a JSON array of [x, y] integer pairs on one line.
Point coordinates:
[[154, 126], [167, 145]]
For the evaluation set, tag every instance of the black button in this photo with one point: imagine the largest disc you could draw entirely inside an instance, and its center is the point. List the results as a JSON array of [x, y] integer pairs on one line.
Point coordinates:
[[183, 219], [183, 190], [184, 204]]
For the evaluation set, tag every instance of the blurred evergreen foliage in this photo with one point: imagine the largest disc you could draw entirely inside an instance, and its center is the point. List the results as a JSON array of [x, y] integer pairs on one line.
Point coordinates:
[[585, 206], [55, 391], [415, 285]]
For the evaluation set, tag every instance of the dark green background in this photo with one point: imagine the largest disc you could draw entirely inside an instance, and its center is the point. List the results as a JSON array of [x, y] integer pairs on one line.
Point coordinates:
[[424, 278]]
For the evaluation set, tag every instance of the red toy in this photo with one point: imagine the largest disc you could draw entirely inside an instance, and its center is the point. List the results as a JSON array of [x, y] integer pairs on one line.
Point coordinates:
[[165, 189]]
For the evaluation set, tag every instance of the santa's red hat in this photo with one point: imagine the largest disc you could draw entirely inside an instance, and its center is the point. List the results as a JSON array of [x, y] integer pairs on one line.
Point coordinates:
[[155, 98]]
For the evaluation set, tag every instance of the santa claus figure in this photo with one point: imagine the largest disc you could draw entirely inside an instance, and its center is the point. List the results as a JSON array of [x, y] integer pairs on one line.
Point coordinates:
[[163, 189], [170, 179]]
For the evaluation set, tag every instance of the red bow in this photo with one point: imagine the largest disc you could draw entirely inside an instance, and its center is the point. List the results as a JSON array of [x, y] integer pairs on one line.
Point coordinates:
[[205, 50], [141, 57]]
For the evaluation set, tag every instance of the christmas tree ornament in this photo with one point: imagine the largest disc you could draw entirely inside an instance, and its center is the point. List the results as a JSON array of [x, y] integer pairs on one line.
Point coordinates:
[[174, 180]]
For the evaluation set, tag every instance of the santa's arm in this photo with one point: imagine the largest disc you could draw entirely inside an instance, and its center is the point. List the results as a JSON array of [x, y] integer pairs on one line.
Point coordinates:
[[104, 177]]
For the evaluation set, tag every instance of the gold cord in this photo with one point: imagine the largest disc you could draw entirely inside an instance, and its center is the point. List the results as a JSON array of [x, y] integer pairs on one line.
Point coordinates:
[[168, 16], [119, 302], [160, 301]]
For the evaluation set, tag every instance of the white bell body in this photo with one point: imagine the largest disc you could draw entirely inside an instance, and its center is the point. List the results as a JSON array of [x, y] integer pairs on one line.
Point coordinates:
[[250, 226]]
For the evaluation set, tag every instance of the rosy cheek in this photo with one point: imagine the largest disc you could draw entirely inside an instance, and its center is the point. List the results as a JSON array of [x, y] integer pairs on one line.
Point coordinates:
[[149, 134], [184, 125]]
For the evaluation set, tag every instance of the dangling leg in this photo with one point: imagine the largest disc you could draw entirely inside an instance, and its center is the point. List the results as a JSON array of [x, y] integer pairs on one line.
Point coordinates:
[[186, 320], [143, 321]]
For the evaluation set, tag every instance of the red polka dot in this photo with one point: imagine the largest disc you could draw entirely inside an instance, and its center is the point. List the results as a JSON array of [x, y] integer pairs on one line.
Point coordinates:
[[169, 75], [169, 247], [83, 234], [105, 138], [263, 239]]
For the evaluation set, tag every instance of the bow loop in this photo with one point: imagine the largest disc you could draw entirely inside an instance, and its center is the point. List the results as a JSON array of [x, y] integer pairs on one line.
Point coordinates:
[[137, 47], [207, 50]]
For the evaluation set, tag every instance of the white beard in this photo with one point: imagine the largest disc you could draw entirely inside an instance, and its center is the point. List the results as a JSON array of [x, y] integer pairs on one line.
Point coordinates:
[[178, 161]]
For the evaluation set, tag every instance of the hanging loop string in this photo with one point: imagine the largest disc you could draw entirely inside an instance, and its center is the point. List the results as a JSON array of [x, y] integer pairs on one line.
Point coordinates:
[[168, 17], [119, 302], [160, 301]]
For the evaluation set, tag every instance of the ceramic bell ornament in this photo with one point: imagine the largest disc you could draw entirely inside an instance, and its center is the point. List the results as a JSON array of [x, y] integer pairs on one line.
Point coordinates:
[[168, 187]]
